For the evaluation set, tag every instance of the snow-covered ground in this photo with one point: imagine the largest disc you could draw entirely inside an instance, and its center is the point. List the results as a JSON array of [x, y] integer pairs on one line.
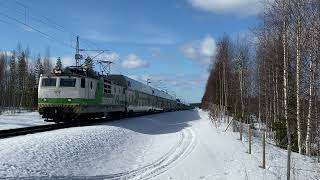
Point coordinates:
[[176, 145], [19, 120]]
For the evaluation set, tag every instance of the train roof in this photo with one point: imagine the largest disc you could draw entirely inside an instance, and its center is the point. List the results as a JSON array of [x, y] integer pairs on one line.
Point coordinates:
[[138, 86], [118, 79], [74, 71]]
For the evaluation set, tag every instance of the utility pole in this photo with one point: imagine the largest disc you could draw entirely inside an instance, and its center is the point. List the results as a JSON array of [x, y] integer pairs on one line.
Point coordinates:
[[105, 65], [78, 56]]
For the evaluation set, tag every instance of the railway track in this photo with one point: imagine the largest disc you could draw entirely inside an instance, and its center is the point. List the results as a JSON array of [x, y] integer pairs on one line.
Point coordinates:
[[33, 129], [49, 127]]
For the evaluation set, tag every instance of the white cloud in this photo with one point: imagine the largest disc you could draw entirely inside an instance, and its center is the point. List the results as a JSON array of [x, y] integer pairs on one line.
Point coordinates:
[[133, 61], [113, 56], [208, 46], [200, 50], [189, 51], [68, 61], [234, 7]]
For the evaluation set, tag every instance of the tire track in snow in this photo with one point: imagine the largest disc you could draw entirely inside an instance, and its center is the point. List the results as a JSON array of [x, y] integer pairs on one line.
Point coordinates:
[[177, 153]]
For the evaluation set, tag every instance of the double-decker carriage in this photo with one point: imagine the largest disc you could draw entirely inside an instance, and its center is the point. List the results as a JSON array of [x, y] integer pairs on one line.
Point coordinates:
[[73, 93]]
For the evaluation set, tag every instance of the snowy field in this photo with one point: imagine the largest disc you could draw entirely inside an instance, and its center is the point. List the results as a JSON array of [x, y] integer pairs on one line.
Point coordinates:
[[19, 120], [177, 145]]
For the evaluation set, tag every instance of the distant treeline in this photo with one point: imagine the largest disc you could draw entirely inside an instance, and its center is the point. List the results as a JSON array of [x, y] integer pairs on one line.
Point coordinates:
[[273, 77], [19, 76]]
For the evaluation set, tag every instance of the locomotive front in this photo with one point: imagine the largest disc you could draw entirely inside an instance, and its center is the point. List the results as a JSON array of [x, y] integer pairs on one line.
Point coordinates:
[[60, 97]]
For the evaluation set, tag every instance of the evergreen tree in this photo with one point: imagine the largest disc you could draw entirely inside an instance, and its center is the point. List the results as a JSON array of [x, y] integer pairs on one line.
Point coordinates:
[[31, 90], [47, 65], [2, 79], [58, 64], [13, 80], [88, 63], [22, 76], [38, 69]]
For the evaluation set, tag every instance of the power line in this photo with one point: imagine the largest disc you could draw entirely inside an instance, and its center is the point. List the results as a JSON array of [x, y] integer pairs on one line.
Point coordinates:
[[37, 30], [61, 28], [3, 5], [35, 18], [46, 21], [5, 22], [49, 23]]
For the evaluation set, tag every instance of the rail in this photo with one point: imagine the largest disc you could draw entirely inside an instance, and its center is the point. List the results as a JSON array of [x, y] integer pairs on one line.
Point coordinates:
[[49, 127]]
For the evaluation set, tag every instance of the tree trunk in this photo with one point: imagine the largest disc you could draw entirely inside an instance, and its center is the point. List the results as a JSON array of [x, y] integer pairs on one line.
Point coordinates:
[[241, 93], [285, 87], [311, 89], [225, 92], [298, 58]]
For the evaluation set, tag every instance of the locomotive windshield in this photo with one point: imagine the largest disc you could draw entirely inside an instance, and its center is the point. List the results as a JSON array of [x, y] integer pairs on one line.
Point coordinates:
[[49, 81], [67, 82]]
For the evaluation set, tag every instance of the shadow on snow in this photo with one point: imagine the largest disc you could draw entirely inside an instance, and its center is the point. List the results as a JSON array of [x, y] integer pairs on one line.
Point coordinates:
[[163, 123]]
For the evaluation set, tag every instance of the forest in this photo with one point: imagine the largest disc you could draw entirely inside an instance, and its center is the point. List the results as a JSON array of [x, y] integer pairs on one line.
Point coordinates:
[[19, 76], [272, 76]]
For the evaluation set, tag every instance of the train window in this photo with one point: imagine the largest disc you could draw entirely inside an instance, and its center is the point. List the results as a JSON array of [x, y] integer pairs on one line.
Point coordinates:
[[64, 82], [49, 81], [83, 82], [129, 83], [91, 85], [107, 89]]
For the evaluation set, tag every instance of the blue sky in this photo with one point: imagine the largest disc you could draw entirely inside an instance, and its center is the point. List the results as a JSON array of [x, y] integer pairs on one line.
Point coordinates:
[[168, 41]]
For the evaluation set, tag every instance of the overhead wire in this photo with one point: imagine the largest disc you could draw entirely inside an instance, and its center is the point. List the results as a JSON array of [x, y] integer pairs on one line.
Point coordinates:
[[48, 22], [37, 30], [51, 24], [60, 27], [5, 22]]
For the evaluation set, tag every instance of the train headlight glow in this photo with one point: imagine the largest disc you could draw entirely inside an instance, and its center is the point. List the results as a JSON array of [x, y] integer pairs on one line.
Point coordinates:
[[69, 100]]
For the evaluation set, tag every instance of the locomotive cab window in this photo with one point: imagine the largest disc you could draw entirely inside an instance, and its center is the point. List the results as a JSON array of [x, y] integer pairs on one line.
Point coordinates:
[[64, 82], [91, 85], [49, 82], [83, 82]]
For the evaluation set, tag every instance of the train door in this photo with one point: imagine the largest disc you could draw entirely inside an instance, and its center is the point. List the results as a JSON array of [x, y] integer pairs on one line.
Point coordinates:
[[87, 88], [84, 86], [91, 89], [124, 98], [136, 98]]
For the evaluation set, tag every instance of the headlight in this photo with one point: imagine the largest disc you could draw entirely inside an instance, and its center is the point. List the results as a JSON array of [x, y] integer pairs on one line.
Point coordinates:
[[69, 100], [44, 99]]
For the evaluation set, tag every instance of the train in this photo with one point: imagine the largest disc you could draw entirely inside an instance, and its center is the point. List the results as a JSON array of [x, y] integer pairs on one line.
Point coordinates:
[[74, 93]]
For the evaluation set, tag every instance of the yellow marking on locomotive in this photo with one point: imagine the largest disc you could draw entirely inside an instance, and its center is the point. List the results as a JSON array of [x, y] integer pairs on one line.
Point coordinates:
[[75, 108]]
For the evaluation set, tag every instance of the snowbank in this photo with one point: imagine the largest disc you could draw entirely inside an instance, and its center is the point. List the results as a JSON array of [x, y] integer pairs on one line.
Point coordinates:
[[19, 120], [175, 145]]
